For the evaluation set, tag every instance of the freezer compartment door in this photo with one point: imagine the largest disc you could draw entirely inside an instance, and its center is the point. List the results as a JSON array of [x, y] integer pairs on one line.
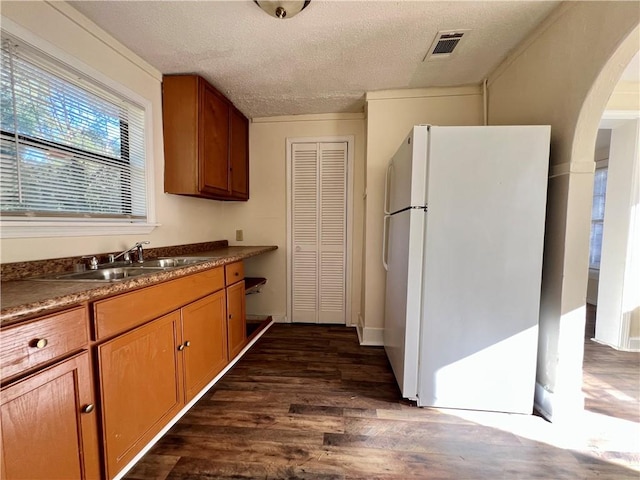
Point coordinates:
[[402, 300], [407, 173]]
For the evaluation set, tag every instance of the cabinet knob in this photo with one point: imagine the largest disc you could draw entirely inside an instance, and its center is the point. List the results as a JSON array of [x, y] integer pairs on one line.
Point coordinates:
[[230, 316], [88, 408], [187, 343], [181, 347], [236, 274], [39, 343]]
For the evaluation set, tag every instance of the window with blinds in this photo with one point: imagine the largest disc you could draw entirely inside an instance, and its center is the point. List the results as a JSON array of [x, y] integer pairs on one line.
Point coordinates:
[[70, 148]]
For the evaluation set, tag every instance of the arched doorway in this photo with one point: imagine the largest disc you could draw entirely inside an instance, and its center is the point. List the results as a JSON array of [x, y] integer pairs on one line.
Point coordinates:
[[550, 80]]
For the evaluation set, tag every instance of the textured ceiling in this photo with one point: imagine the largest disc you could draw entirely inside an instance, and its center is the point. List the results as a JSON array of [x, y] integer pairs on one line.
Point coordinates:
[[324, 59]]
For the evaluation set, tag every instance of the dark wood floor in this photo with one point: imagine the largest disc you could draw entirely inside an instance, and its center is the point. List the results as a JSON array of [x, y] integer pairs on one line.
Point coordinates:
[[307, 402]]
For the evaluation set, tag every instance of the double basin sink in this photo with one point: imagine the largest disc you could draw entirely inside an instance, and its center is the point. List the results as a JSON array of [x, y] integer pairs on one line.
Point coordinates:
[[107, 273]]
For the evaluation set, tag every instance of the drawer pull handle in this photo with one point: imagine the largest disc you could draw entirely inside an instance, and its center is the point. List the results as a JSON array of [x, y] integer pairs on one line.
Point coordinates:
[[40, 343], [187, 343], [181, 347], [236, 274], [88, 408]]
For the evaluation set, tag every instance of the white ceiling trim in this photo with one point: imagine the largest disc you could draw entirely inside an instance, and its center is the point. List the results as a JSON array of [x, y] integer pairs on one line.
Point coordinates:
[[318, 117], [93, 29], [425, 92]]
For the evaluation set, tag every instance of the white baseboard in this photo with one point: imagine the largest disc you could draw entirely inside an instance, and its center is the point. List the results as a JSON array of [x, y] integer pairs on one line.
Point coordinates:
[[370, 337], [557, 408], [634, 344]]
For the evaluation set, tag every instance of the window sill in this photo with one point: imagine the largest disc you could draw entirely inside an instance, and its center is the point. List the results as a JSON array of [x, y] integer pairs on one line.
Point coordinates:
[[38, 229]]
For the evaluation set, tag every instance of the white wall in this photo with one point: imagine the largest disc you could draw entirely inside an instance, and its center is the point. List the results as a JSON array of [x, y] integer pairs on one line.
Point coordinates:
[[182, 219], [264, 217], [563, 75], [624, 99], [619, 291], [390, 116]]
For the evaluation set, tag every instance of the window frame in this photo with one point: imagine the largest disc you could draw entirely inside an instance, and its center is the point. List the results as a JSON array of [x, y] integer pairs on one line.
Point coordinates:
[[43, 226], [600, 165]]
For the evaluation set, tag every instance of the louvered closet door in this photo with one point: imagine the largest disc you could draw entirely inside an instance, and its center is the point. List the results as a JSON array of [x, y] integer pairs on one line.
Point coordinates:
[[319, 172]]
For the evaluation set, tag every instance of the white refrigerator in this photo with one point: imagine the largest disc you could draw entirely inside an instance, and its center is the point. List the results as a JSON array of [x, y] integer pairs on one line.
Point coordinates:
[[463, 239]]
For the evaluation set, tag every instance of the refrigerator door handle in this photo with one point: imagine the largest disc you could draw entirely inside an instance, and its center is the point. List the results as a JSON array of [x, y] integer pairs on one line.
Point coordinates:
[[385, 222], [386, 188]]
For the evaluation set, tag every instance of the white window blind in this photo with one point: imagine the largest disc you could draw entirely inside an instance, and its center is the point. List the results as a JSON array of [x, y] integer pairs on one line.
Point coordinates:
[[69, 146], [597, 217]]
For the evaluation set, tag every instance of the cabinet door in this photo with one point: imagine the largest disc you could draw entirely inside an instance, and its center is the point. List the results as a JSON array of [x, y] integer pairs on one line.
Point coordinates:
[[239, 155], [45, 432], [205, 342], [140, 387], [236, 322], [214, 142]]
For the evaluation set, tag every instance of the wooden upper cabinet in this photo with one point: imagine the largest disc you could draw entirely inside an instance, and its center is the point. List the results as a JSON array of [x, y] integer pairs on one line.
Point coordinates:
[[239, 155], [205, 141], [213, 136]]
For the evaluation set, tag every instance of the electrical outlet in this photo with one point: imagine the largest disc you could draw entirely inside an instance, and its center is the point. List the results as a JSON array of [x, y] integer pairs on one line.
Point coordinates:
[[239, 235]]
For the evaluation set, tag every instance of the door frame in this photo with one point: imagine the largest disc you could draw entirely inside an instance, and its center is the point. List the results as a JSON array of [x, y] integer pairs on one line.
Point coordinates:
[[350, 141]]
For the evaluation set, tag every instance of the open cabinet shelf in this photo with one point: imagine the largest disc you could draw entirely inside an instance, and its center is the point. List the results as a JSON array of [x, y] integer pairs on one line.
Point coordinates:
[[253, 284]]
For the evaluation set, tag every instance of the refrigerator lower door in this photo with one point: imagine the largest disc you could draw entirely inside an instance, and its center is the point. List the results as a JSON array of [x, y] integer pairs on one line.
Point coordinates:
[[402, 300]]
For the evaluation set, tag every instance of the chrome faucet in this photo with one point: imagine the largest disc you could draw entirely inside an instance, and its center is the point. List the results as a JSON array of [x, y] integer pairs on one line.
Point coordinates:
[[92, 263], [126, 257]]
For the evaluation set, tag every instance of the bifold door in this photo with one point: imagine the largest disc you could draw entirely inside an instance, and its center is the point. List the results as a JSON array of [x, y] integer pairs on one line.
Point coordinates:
[[318, 232]]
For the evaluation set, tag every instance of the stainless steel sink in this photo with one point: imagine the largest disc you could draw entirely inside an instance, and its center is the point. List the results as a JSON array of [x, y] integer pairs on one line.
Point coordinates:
[[118, 273], [172, 262], [102, 275]]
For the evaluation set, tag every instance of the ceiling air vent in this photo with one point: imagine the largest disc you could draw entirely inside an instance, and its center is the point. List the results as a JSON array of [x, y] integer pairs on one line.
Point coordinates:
[[446, 43]]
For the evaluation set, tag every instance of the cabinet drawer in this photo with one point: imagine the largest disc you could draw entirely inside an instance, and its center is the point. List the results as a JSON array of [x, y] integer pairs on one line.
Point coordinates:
[[234, 272], [117, 314], [29, 345]]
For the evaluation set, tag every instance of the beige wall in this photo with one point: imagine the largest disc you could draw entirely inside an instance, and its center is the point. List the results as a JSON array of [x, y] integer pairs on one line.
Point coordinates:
[[626, 96], [562, 75], [264, 217], [390, 116], [182, 219]]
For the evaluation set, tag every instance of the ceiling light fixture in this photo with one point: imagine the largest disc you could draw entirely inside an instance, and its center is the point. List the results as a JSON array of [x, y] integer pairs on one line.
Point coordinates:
[[282, 9]]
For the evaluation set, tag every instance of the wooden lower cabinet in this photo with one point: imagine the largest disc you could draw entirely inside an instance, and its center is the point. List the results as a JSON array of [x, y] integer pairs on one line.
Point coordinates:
[[204, 342], [49, 424], [141, 387], [236, 321], [149, 374]]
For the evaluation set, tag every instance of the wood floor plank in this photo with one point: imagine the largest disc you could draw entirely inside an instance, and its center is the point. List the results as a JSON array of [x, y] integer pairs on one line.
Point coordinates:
[[203, 469], [308, 402], [153, 467]]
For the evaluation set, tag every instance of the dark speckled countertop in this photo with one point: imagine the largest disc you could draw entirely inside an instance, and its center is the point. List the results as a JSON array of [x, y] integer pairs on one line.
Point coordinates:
[[23, 299]]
